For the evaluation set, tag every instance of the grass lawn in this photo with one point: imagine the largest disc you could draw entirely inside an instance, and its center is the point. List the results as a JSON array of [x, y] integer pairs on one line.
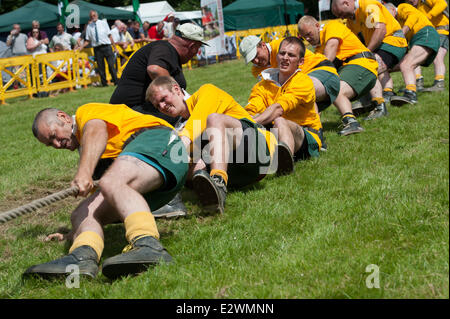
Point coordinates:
[[376, 198]]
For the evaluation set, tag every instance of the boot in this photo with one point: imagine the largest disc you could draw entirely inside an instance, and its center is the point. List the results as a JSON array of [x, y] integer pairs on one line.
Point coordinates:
[[174, 208], [285, 160], [211, 190], [438, 86], [84, 257], [350, 125], [142, 253], [409, 97], [380, 110]]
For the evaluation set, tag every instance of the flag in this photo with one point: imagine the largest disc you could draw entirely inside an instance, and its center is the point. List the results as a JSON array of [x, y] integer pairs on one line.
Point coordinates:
[[62, 5], [136, 5]]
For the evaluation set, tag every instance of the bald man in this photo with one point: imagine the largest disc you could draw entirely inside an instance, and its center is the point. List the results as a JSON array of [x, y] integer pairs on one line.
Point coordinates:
[[382, 34]]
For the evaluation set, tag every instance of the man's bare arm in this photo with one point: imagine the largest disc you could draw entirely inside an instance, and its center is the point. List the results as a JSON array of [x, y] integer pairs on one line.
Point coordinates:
[[331, 49], [271, 113], [92, 145], [377, 37]]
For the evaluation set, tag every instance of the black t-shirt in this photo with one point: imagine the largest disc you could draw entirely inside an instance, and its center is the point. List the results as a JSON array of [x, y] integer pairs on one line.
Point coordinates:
[[135, 79]]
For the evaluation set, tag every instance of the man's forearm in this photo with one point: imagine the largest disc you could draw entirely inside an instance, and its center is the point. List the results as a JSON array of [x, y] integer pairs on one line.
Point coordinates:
[[270, 114]]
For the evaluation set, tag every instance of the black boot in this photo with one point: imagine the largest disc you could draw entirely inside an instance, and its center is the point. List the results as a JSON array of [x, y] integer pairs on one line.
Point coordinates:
[[174, 208], [409, 97], [380, 110], [211, 190], [142, 253], [84, 257], [285, 160]]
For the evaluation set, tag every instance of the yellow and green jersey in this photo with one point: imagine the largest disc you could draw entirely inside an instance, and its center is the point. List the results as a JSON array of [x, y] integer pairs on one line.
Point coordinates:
[[296, 96], [370, 12], [415, 20], [311, 63], [433, 10], [210, 99], [121, 122], [349, 45]]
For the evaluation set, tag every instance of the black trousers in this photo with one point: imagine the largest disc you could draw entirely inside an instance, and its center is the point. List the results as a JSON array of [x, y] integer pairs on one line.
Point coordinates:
[[101, 52]]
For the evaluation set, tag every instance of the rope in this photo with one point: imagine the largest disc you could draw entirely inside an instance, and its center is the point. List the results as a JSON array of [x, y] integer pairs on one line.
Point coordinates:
[[39, 203]]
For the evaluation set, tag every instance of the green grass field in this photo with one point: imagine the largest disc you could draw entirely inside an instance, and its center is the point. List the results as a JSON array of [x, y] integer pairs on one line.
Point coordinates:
[[380, 197]]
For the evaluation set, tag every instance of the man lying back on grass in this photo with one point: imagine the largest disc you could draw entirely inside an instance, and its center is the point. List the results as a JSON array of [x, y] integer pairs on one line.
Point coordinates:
[[141, 179], [241, 151]]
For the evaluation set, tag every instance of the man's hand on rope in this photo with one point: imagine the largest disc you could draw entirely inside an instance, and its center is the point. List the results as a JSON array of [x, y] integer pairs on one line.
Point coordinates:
[[84, 183]]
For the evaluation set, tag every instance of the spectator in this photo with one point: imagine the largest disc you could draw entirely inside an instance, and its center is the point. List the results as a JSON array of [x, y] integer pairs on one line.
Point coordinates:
[[62, 37], [121, 36], [168, 25], [136, 32], [145, 29], [34, 45], [156, 32], [98, 34], [76, 34], [17, 41], [42, 34]]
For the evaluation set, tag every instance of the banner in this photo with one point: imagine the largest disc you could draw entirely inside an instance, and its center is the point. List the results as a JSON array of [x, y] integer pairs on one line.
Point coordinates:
[[136, 6], [324, 5], [62, 6], [212, 23]]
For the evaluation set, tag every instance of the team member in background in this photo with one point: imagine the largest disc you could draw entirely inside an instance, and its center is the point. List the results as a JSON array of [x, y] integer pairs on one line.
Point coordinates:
[[357, 66], [382, 35], [437, 12], [285, 97], [140, 180], [321, 71], [423, 47], [241, 152]]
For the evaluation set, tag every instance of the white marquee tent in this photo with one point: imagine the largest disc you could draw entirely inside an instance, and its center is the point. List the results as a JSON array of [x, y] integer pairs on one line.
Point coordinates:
[[154, 12]]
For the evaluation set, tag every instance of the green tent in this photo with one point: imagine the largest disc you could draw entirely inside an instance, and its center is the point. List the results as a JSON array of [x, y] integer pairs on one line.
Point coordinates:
[[251, 14], [104, 12], [45, 13]]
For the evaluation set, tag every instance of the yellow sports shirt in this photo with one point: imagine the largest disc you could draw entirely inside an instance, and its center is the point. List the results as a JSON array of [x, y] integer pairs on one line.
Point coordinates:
[[312, 60], [349, 45], [296, 96], [121, 122], [367, 15], [415, 20], [274, 46], [210, 99], [433, 10]]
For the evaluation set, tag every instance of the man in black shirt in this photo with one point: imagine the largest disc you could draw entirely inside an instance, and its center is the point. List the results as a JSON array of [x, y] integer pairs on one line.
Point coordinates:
[[155, 59]]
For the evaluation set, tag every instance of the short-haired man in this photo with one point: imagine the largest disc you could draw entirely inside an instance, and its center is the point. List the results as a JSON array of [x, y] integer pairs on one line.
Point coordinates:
[[437, 12], [357, 66], [121, 36], [62, 37], [423, 42], [42, 34], [382, 35], [17, 41], [321, 71], [285, 97], [241, 152], [98, 35], [142, 178]]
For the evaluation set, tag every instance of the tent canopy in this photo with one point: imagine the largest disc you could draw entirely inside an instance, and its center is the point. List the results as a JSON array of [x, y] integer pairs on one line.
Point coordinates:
[[154, 12], [47, 15], [249, 14], [104, 12]]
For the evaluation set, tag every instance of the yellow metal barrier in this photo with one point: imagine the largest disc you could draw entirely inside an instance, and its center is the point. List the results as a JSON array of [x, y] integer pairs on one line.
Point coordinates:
[[56, 71], [29, 76], [21, 71]]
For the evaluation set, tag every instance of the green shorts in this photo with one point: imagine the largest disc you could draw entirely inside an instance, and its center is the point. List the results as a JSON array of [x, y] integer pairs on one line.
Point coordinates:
[[429, 38], [164, 150], [332, 85], [251, 160], [397, 52], [359, 78], [443, 38], [309, 148]]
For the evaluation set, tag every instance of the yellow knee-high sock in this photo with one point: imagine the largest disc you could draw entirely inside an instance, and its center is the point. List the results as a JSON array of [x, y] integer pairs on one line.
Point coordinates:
[[379, 100], [221, 173], [140, 224], [439, 77], [91, 239]]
